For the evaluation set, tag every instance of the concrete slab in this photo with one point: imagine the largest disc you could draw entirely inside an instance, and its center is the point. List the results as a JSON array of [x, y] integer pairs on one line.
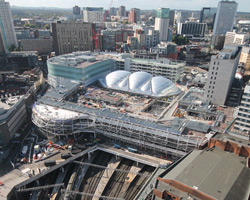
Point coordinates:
[[10, 180], [106, 176]]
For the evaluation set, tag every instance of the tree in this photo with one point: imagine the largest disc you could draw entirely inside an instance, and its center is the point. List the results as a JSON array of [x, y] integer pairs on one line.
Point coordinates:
[[12, 47], [46, 26], [180, 39]]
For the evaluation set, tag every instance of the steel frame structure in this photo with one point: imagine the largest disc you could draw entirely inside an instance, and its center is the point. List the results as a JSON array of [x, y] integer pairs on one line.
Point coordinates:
[[119, 129]]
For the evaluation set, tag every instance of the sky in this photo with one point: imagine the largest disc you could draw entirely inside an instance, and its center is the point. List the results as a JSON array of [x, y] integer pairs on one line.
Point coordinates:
[[243, 5]]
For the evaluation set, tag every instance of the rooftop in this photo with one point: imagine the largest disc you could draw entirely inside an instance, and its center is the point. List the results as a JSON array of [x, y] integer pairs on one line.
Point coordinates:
[[219, 174], [76, 59]]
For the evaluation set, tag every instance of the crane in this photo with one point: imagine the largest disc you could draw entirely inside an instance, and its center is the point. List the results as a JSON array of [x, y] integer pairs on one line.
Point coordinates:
[[95, 36]]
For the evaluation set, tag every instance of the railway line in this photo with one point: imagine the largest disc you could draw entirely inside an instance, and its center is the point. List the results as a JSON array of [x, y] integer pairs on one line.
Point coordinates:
[[137, 183], [116, 182], [94, 175]]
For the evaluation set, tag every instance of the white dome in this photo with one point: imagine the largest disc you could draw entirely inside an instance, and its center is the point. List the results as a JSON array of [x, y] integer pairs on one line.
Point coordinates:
[[140, 83]]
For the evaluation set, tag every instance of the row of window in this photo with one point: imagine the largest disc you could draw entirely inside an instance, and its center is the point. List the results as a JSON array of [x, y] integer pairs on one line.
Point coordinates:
[[243, 115], [244, 125], [218, 63], [211, 96]]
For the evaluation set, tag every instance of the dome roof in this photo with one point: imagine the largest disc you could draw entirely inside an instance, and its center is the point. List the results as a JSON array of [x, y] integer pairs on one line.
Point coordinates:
[[140, 83]]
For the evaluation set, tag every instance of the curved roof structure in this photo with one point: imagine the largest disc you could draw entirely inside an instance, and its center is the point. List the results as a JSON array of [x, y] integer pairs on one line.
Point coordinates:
[[140, 83]]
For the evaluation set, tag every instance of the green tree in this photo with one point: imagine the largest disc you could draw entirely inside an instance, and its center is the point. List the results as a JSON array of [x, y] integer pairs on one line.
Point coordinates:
[[46, 26], [180, 39], [12, 47]]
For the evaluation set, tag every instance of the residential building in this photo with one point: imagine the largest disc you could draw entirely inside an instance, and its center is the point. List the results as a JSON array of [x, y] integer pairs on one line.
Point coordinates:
[[122, 11], [237, 38], [221, 74], [6, 24], [208, 16], [71, 37], [93, 14], [162, 23], [245, 57], [242, 122], [132, 16], [225, 15], [192, 29], [166, 48]]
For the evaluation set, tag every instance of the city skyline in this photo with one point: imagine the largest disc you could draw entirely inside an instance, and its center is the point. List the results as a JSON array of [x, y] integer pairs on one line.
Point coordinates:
[[146, 4]]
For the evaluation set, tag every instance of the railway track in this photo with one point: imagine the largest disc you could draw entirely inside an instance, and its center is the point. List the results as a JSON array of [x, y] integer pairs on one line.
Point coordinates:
[[116, 182], [137, 183], [94, 175]]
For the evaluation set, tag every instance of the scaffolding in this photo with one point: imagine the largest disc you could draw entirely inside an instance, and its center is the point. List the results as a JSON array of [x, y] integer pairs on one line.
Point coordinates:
[[119, 127]]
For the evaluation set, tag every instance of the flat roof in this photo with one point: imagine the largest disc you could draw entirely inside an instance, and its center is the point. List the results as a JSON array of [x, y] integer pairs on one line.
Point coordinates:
[[219, 174]]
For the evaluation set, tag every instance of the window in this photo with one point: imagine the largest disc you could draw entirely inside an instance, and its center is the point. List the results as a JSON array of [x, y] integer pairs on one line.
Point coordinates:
[[218, 63], [214, 82], [217, 68], [208, 91], [207, 95], [210, 82], [212, 91], [215, 73], [212, 72], [214, 78], [214, 63], [209, 87], [211, 96]]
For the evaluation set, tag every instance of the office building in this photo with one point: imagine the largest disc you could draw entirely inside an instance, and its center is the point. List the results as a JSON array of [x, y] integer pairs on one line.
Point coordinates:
[[171, 17], [162, 23], [71, 37], [6, 24], [208, 16], [168, 49], [93, 14], [122, 11], [245, 57], [138, 14], [2, 43], [141, 37], [77, 14], [221, 74], [152, 39], [225, 15], [181, 16], [242, 122], [237, 38], [42, 46], [192, 29], [13, 114], [132, 16], [76, 10], [113, 11]]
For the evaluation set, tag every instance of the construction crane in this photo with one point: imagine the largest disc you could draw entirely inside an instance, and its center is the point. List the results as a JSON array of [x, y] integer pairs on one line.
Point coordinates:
[[95, 36]]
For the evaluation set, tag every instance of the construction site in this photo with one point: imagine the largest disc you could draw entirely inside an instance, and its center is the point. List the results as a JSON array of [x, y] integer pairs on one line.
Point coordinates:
[[99, 172]]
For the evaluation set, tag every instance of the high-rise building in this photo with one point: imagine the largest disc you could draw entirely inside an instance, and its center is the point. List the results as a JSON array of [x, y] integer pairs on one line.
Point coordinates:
[[93, 14], [138, 14], [132, 16], [236, 38], [122, 11], [225, 15], [152, 38], [77, 14], [192, 29], [181, 16], [7, 25], [76, 10], [113, 11], [208, 16], [71, 37], [221, 74], [171, 17], [162, 23], [242, 122], [3, 42]]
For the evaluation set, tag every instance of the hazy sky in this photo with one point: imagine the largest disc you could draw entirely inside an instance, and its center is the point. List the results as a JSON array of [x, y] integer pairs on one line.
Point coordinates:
[[244, 5]]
